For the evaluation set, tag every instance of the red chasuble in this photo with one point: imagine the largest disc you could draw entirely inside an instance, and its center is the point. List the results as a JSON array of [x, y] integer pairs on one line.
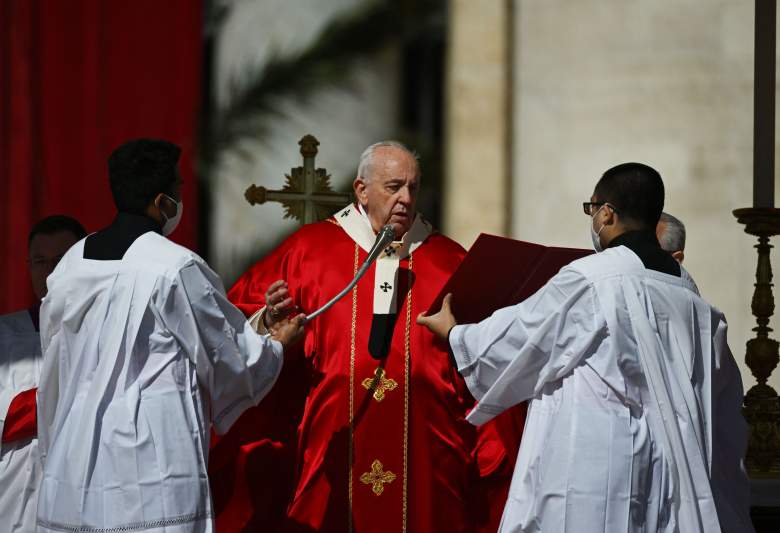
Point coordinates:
[[347, 442]]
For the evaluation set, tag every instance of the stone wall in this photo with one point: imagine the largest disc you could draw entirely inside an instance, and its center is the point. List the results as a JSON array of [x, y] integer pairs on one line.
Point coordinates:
[[668, 83]]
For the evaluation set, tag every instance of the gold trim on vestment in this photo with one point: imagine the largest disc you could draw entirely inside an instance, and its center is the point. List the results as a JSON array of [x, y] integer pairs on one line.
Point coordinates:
[[352, 388], [407, 369]]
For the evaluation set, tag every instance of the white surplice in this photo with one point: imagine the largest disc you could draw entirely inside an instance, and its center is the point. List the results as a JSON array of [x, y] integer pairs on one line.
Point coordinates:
[[634, 422], [141, 356], [20, 366]]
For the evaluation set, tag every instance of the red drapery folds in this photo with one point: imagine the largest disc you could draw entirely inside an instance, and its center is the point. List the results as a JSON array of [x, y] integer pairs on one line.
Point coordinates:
[[76, 80]]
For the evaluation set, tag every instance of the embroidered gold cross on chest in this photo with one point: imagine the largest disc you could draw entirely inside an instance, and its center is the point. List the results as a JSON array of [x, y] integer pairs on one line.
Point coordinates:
[[377, 477], [379, 384]]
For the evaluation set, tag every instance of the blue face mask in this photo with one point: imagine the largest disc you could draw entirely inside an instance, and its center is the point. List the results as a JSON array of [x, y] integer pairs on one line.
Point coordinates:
[[594, 235]]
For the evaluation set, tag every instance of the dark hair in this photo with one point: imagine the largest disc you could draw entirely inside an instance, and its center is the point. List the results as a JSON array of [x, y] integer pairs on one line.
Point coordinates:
[[139, 170], [56, 224], [636, 191]]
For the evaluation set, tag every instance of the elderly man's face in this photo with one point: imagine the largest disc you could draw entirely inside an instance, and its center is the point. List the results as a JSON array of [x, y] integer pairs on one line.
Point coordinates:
[[45, 252], [390, 194]]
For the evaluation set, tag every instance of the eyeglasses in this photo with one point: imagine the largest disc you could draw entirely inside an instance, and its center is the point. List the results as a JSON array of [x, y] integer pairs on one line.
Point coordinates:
[[587, 207]]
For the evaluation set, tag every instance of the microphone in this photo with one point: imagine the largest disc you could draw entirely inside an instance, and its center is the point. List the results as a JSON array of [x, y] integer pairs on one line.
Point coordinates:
[[383, 239]]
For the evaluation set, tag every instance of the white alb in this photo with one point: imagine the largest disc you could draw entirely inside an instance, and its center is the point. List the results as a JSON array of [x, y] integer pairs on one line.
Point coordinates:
[[634, 422], [141, 356]]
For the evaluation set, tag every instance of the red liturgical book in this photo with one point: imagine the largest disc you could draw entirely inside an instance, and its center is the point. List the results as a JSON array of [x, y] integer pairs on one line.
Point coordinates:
[[498, 272]]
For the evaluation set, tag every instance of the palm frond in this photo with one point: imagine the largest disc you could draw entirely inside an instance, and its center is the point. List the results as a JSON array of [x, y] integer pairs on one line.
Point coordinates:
[[327, 62]]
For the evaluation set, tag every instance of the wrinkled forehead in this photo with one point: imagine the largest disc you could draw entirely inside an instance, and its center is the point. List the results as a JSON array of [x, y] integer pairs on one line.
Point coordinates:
[[390, 162]]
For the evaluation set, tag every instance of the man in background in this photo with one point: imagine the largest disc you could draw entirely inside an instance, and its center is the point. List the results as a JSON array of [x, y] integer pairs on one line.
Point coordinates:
[[671, 236], [20, 366]]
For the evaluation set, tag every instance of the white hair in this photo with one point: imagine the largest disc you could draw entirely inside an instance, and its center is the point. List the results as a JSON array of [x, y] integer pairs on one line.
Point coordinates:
[[672, 238], [367, 157]]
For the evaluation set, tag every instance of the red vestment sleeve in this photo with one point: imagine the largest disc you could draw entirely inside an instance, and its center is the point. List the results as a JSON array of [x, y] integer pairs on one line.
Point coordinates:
[[495, 453], [21, 420], [251, 467]]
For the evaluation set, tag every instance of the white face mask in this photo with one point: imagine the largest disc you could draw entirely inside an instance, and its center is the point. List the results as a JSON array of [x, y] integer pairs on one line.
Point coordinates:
[[170, 223], [594, 235]]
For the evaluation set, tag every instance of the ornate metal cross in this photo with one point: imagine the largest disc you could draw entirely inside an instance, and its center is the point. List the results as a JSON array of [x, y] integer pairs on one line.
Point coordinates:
[[377, 477], [307, 195], [379, 384]]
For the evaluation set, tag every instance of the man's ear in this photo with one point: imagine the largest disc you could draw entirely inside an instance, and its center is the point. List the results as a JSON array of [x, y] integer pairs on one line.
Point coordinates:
[[359, 186], [157, 207], [611, 217], [679, 255]]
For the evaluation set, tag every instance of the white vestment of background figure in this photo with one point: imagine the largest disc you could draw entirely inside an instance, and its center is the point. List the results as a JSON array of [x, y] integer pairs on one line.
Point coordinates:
[[20, 472]]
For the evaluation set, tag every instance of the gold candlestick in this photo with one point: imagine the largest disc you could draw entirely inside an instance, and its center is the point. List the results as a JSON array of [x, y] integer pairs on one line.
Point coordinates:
[[762, 405]]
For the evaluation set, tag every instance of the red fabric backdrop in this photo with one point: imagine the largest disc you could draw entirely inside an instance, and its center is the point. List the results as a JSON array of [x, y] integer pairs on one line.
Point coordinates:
[[76, 80]]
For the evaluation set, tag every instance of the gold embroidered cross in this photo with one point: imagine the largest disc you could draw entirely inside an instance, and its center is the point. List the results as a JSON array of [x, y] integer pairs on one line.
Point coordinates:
[[379, 384], [377, 477]]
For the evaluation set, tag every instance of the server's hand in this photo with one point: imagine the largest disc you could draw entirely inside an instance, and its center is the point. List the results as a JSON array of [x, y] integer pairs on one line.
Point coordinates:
[[442, 322], [289, 331]]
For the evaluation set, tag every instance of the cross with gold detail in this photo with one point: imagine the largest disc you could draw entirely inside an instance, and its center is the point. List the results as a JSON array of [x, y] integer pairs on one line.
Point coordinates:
[[307, 195], [379, 384], [377, 477]]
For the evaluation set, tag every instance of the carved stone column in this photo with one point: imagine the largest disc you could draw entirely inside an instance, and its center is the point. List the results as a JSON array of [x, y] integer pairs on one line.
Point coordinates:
[[762, 405]]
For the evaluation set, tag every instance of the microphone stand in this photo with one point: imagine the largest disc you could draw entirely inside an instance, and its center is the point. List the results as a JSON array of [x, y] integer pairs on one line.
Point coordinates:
[[383, 239]]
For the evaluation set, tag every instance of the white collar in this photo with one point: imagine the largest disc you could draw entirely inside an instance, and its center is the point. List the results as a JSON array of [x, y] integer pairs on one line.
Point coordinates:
[[356, 224]]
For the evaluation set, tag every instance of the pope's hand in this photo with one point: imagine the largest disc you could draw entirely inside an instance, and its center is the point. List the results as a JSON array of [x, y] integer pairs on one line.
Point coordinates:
[[288, 331], [278, 303], [442, 322]]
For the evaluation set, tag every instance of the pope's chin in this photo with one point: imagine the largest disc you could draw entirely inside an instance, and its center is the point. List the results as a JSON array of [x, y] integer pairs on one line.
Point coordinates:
[[400, 224]]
